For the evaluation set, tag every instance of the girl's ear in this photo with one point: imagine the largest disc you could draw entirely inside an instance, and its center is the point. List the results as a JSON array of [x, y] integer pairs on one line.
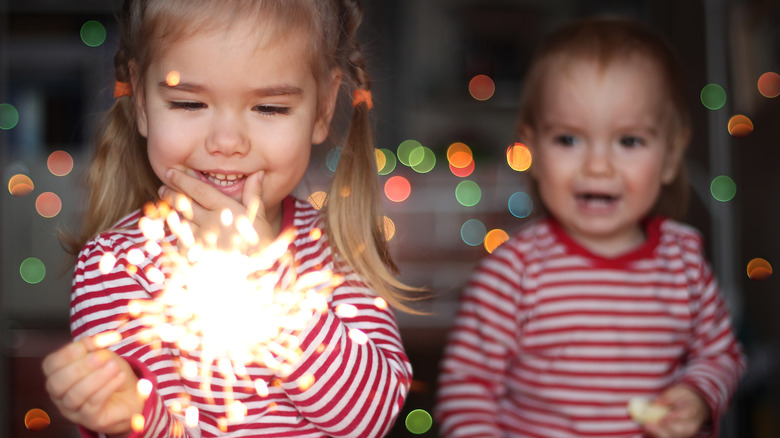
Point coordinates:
[[139, 100], [674, 158], [327, 107]]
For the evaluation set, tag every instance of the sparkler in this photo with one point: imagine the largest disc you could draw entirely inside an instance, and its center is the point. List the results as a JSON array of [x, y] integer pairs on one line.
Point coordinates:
[[223, 301]]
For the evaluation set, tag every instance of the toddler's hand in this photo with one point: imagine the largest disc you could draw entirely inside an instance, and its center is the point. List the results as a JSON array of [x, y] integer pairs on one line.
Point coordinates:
[[208, 203], [93, 387], [687, 413]]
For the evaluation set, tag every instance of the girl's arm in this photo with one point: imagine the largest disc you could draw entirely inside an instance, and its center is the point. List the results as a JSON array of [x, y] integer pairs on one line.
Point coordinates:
[[355, 372], [479, 348]]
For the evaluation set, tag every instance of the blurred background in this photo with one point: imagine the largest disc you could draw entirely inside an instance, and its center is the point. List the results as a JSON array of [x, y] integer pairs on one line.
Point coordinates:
[[446, 79]]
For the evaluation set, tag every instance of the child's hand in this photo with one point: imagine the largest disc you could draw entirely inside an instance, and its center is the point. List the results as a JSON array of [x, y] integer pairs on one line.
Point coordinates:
[[687, 413], [208, 202], [93, 387]]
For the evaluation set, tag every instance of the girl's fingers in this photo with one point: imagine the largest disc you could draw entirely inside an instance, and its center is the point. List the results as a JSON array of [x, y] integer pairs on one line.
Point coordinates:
[[63, 357], [195, 189], [89, 384]]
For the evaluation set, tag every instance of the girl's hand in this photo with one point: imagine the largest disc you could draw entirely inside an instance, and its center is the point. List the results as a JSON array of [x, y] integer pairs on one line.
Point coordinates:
[[208, 203], [687, 413], [93, 387]]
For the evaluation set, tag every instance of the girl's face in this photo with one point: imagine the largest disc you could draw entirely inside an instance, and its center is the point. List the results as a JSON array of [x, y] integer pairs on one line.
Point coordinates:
[[225, 105], [602, 149]]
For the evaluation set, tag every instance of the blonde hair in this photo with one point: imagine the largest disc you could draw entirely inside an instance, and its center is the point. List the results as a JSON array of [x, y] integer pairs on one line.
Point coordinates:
[[120, 178], [605, 40]]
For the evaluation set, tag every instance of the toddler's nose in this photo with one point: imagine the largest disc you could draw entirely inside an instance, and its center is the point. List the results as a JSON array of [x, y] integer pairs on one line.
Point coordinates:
[[228, 135]]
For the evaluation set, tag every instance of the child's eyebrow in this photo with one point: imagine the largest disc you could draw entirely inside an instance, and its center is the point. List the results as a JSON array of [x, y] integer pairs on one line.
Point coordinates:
[[273, 90]]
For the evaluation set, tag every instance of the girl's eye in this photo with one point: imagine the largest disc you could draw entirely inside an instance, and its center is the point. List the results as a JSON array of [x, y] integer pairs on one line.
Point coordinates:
[[271, 110], [631, 141], [566, 140], [186, 105]]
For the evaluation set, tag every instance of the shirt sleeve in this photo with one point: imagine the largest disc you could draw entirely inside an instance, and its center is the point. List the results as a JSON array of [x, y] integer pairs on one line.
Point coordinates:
[[480, 345], [716, 361]]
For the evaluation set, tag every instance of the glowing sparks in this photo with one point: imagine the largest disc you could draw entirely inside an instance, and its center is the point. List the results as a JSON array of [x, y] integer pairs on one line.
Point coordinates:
[[358, 336], [275, 303], [105, 339], [191, 416], [144, 388], [137, 423], [380, 303], [306, 381], [107, 263], [346, 311]]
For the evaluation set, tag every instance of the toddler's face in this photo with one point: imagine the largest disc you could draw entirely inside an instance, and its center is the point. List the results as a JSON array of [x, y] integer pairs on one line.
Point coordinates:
[[242, 104], [602, 149]]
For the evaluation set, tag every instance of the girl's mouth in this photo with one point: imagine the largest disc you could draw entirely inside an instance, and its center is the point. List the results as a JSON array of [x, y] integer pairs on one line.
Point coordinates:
[[221, 179], [596, 200]]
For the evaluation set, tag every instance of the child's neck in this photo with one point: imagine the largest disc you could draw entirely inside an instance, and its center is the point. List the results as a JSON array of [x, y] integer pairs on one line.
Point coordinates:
[[611, 246]]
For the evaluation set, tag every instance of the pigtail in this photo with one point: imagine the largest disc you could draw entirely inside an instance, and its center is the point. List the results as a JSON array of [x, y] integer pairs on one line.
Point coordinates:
[[120, 178], [355, 225]]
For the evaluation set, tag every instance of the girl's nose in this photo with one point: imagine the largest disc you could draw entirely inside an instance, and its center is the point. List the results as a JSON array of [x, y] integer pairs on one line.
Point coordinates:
[[228, 136], [598, 161]]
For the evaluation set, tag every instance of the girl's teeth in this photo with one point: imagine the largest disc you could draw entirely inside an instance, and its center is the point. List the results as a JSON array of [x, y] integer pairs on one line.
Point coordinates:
[[222, 179]]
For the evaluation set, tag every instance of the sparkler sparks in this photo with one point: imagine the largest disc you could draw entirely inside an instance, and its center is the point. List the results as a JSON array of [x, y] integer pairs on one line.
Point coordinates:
[[223, 307]]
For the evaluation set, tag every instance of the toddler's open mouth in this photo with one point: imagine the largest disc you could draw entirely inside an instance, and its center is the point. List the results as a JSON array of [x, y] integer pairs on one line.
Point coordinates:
[[221, 179]]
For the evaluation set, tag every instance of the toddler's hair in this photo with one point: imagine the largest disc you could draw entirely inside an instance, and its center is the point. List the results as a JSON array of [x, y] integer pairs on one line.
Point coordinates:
[[605, 40], [120, 179]]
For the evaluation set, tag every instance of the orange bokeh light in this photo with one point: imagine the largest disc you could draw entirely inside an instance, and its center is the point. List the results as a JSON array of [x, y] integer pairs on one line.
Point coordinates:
[[463, 172], [518, 156], [318, 199], [740, 125], [36, 420], [759, 269], [20, 185], [60, 163], [482, 87], [48, 204], [494, 239], [173, 78], [397, 189]]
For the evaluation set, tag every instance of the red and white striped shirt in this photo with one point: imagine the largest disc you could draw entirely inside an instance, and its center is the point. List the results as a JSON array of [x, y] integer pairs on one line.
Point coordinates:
[[356, 388], [553, 341]]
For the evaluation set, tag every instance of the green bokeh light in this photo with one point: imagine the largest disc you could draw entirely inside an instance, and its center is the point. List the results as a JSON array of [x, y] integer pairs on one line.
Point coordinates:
[[473, 232], [723, 188], [332, 159], [520, 205], [9, 116], [32, 270], [468, 193], [405, 150], [713, 96], [93, 33], [419, 421], [390, 162], [428, 161]]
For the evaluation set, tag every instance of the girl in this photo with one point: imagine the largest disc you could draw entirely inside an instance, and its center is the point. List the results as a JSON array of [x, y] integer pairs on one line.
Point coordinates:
[[607, 298], [220, 101]]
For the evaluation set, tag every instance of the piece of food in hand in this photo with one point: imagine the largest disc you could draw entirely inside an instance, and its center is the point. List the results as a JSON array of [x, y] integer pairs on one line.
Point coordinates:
[[643, 411]]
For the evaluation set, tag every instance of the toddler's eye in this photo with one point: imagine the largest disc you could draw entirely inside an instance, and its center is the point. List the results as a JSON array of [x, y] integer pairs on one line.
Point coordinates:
[[186, 105], [631, 141], [271, 110], [566, 140]]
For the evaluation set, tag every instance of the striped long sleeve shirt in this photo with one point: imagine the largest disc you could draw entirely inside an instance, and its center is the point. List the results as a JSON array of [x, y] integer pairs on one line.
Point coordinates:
[[354, 386], [553, 341]]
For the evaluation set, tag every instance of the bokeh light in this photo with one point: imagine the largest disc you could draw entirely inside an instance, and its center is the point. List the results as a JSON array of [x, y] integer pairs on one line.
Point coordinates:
[[36, 420], [769, 84], [405, 150], [9, 116], [60, 163], [427, 161], [473, 232], [389, 160], [318, 199], [482, 87], [418, 421], [518, 156], [464, 171], [173, 78], [723, 188], [388, 226], [397, 189], [20, 185], [468, 193], [48, 204], [93, 33], [332, 159], [32, 270], [740, 125], [381, 160], [713, 96], [520, 205], [759, 269], [494, 239]]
